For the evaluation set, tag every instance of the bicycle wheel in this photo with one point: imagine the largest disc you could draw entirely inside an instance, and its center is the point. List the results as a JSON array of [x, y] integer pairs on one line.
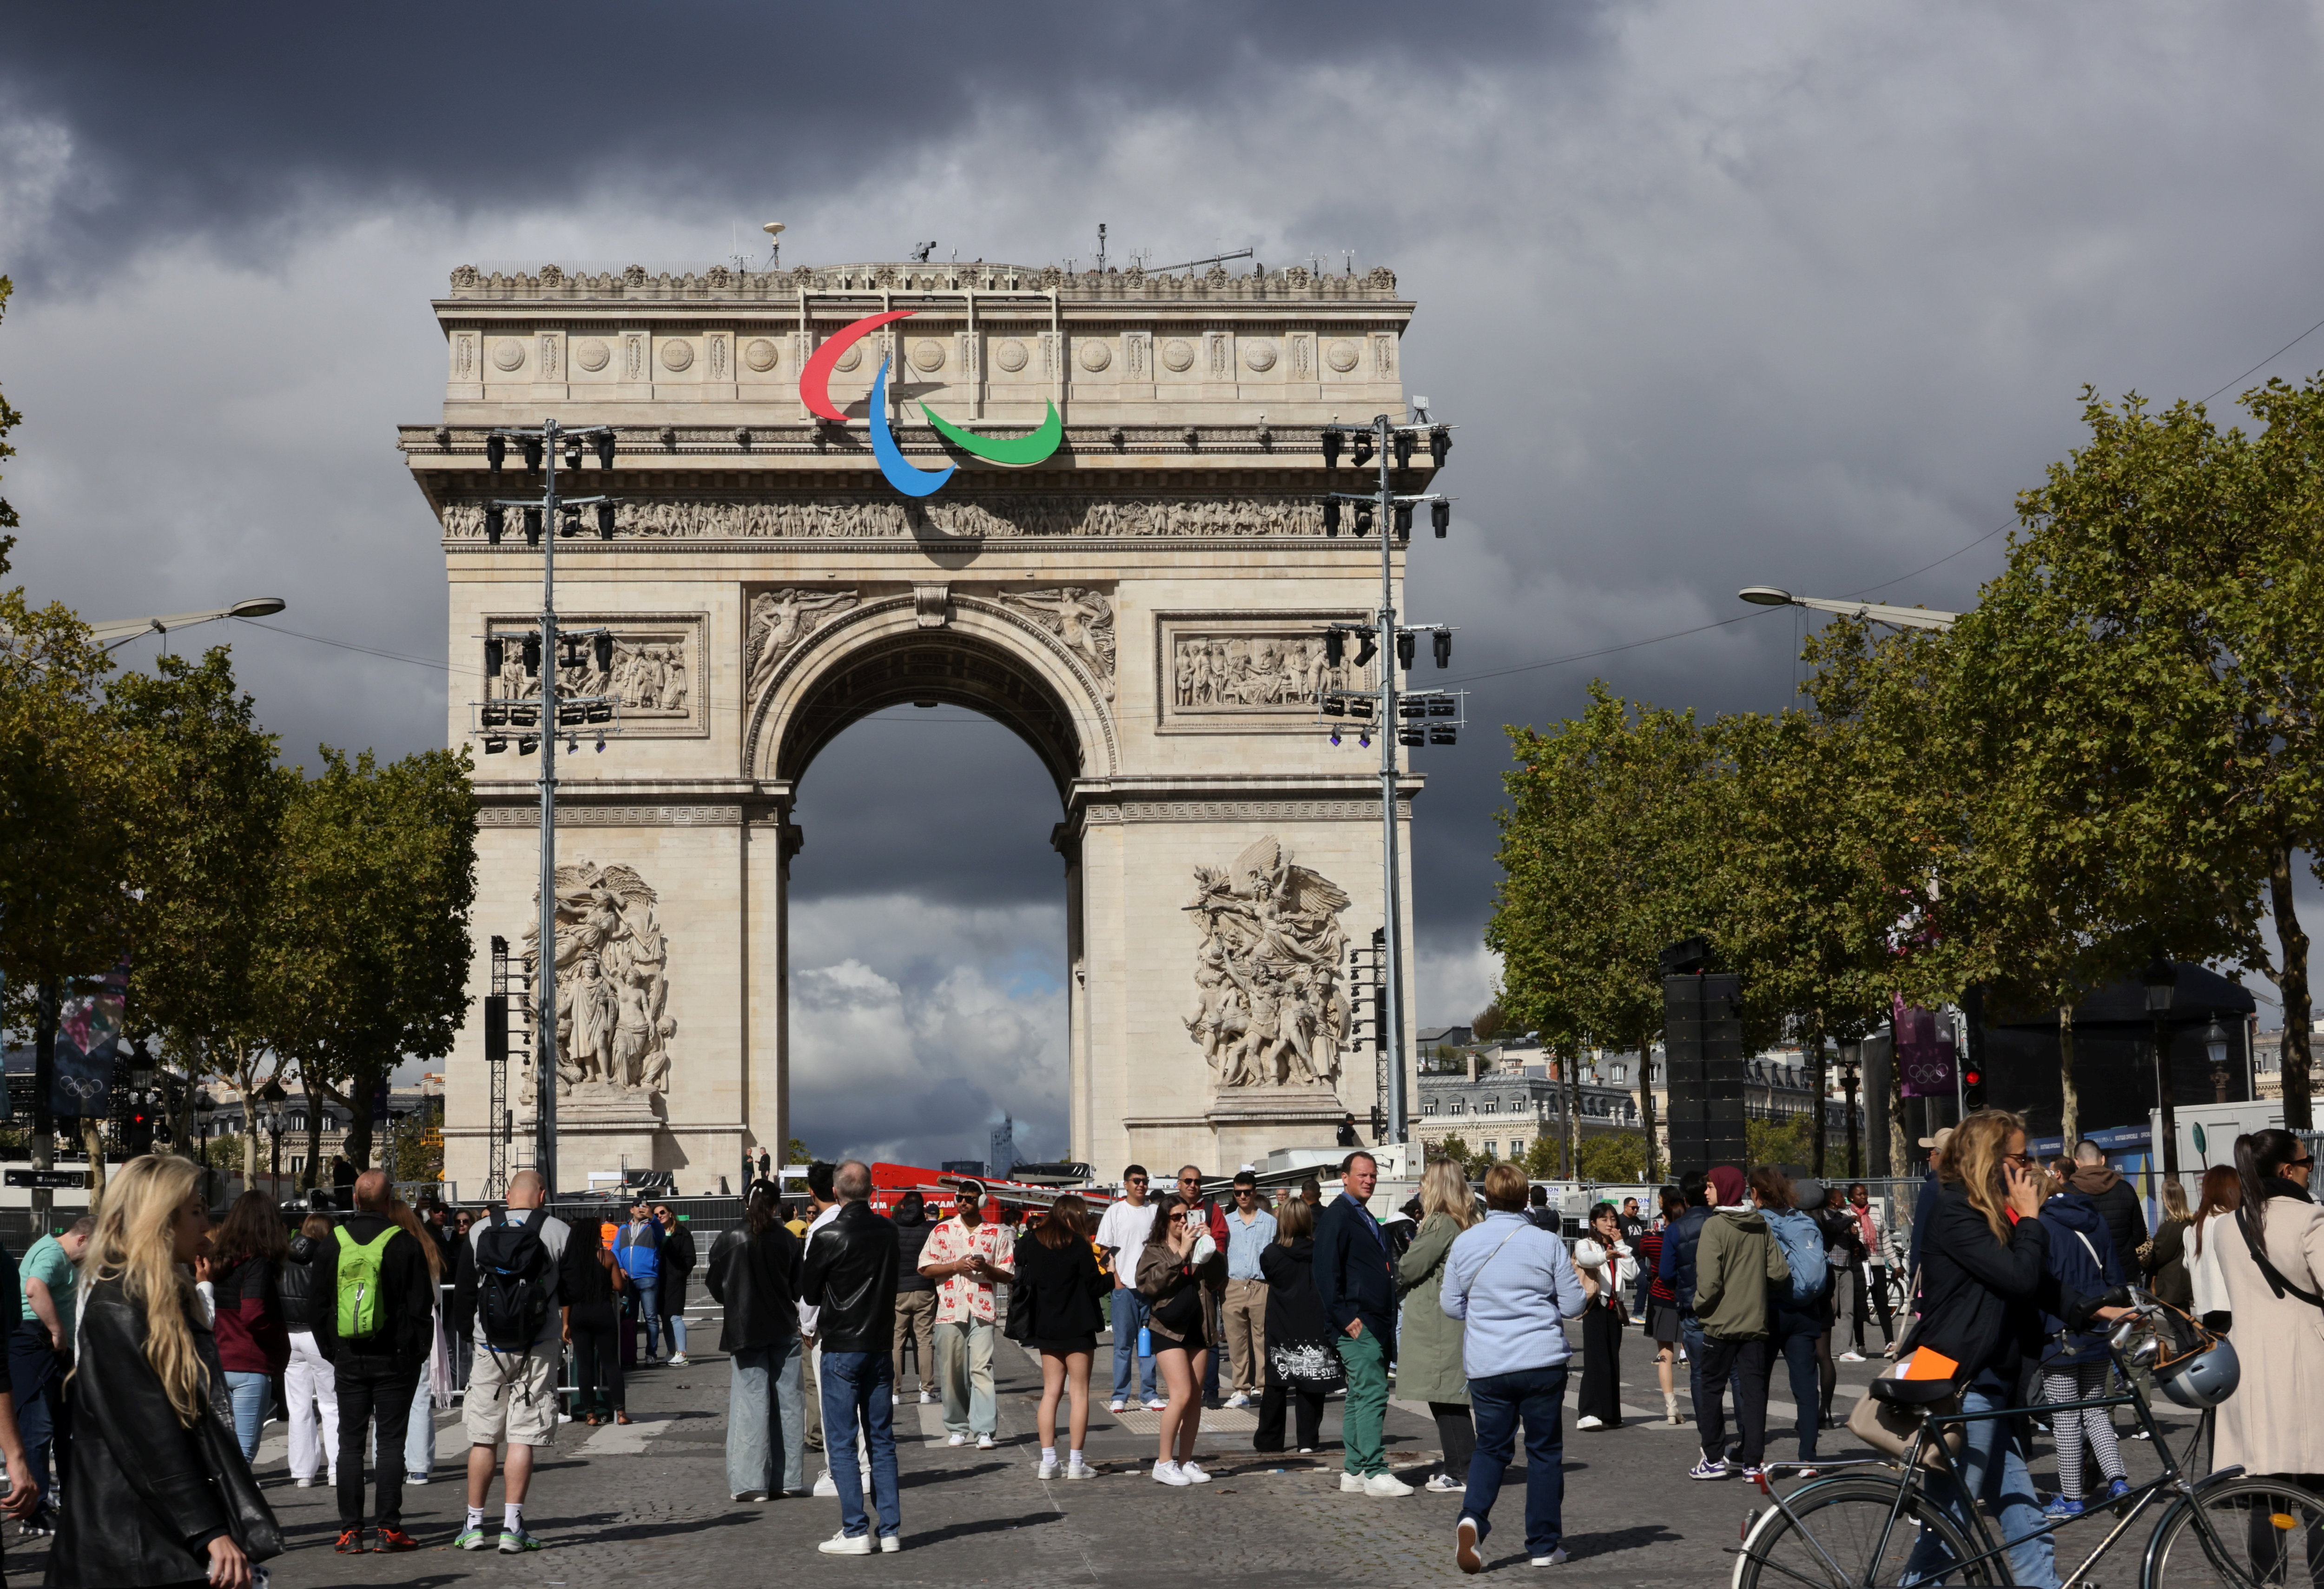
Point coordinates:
[[1844, 1518], [2265, 1532]]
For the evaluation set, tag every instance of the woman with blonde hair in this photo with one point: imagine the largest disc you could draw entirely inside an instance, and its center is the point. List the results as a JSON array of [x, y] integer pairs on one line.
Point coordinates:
[[147, 1382], [2164, 1262], [1986, 1284], [434, 1389], [1428, 1352]]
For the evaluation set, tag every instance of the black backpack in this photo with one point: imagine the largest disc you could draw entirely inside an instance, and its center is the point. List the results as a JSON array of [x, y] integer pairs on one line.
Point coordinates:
[[511, 1292]]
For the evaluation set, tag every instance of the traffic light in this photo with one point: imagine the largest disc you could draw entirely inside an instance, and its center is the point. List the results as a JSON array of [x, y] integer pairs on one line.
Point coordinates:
[[137, 1131], [1972, 1086]]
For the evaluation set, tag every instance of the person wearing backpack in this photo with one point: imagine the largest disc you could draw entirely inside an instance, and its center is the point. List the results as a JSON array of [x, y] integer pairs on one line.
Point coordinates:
[[510, 1281], [374, 1319], [1799, 1309]]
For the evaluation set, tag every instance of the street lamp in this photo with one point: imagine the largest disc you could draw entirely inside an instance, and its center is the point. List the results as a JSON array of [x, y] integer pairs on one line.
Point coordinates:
[[2215, 1046], [114, 633], [2161, 979], [272, 1097], [1769, 595]]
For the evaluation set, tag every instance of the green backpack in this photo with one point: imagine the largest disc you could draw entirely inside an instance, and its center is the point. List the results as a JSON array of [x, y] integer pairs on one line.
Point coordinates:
[[359, 1263]]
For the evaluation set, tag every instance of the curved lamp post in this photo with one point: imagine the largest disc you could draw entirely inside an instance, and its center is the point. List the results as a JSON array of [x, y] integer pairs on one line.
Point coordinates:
[[1770, 596], [111, 632]]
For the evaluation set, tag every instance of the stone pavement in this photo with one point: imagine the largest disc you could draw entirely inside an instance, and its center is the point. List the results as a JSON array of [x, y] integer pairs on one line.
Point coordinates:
[[648, 1504]]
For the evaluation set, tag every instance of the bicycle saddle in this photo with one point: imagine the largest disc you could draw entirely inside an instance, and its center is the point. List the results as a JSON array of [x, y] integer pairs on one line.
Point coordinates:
[[1912, 1392]]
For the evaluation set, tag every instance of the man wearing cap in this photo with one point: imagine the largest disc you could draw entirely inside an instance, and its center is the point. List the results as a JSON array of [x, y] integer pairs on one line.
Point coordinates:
[[1925, 1208], [965, 1256]]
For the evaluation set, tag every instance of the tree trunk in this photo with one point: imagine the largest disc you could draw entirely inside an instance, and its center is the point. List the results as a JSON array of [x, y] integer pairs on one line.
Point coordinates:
[[1646, 1101], [1817, 1085], [314, 1129], [360, 1089], [92, 1141], [2069, 1118], [1573, 1113], [2291, 985], [1899, 1149], [1848, 1074]]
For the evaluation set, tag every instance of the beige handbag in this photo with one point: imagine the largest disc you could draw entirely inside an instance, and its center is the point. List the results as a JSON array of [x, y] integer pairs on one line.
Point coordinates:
[[1890, 1428]]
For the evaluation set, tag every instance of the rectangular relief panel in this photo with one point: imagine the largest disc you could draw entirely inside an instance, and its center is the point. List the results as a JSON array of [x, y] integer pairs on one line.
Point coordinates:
[[1246, 672], [659, 674]]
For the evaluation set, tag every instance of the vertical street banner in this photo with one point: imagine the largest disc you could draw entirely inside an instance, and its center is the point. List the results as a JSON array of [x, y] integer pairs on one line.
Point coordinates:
[[88, 1042], [1924, 1052]]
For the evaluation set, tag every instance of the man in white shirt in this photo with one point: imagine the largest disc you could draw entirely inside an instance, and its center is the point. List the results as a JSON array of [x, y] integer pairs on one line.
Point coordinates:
[[1242, 1313], [1121, 1235]]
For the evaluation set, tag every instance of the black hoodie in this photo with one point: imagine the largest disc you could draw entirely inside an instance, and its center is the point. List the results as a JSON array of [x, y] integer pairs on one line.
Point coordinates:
[[912, 1227]]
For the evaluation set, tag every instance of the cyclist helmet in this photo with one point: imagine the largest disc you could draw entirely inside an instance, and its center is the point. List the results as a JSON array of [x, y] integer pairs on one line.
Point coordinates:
[[2203, 1378]]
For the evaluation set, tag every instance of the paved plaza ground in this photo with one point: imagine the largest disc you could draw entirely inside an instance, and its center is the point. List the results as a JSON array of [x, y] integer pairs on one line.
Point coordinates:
[[648, 1504]]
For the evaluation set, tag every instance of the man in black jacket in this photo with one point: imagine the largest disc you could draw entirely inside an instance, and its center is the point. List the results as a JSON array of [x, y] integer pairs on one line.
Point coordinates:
[[849, 1277], [374, 1279], [2117, 1205], [1358, 1290], [915, 1293], [753, 1275]]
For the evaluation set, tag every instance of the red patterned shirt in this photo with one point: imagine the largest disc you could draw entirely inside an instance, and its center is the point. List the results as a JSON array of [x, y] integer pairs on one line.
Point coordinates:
[[963, 1299]]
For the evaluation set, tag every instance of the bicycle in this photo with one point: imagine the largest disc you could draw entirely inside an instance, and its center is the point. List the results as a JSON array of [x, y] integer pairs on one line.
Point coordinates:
[[1864, 1530]]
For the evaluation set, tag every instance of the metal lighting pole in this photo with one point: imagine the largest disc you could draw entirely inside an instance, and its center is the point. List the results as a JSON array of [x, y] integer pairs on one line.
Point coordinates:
[[544, 1059], [1392, 957]]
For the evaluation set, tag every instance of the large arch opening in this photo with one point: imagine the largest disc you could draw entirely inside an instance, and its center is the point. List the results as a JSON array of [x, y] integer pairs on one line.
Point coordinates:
[[929, 912]]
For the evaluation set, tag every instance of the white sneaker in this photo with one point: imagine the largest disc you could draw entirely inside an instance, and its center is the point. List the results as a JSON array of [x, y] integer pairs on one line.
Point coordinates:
[[415, 1478], [828, 1487], [306, 1483], [985, 1442], [1591, 1422], [956, 1438], [1851, 1357], [1555, 1558], [1166, 1472], [1048, 1469], [1116, 1405], [678, 1362], [1444, 1485], [840, 1544], [1351, 1484], [1157, 1404], [1465, 1547], [1194, 1473], [1081, 1470], [1385, 1485], [929, 1398], [1237, 1399], [890, 1543]]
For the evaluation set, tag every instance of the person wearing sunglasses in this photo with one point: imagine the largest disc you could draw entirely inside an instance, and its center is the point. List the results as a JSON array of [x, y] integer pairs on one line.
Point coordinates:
[[2270, 1254]]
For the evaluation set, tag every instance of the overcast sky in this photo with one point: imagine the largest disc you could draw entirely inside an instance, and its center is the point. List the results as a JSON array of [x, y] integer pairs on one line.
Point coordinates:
[[1720, 293]]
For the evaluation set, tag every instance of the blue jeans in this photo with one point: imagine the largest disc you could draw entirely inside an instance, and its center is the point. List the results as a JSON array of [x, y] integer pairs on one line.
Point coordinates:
[[36, 1372], [673, 1329], [1536, 1395], [645, 1306], [419, 1434], [1799, 1350], [250, 1393], [2003, 1485], [859, 1384], [1129, 1318], [766, 1420]]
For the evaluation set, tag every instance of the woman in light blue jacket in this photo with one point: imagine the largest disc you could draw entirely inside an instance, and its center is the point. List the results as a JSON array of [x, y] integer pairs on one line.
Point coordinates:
[[1513, 1284]]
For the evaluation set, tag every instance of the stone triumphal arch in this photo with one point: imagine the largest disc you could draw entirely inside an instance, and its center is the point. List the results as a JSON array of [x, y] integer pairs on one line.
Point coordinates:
[[1143, 609]]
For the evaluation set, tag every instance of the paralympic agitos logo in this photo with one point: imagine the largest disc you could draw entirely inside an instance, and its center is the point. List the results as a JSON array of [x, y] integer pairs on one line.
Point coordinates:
[[815, 390]]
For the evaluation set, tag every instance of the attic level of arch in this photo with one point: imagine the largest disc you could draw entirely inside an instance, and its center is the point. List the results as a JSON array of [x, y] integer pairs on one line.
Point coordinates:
[[721, 283]]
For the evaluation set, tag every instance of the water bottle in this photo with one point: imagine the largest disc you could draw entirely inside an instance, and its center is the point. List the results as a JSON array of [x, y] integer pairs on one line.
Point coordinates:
[[1145, 1342]]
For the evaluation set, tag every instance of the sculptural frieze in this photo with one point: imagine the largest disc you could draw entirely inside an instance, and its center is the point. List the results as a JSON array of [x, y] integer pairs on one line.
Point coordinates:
[[780, 620], [1080, 617], [997, 517], [652, 676], [1269, 1008], [1254, 672], [614, 1029]]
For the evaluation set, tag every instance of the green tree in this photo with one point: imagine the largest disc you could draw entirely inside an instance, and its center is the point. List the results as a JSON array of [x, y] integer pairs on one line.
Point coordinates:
[[1608, 855], [1765, 1142], [1474, 1164], [1614, 1155]]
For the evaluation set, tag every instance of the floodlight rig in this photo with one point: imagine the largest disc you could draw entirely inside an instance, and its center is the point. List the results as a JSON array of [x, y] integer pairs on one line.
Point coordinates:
[[1386, 514], [541, 446]]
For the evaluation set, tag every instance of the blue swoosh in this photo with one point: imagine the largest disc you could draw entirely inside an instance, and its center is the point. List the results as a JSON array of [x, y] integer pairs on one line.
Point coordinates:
[[903, 476]]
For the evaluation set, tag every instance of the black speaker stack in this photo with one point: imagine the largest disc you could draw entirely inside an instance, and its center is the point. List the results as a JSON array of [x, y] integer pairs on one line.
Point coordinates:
[[1702, 1048]]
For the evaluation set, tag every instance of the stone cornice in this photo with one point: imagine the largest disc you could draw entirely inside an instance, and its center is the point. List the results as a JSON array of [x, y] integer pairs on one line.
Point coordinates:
[[904, 281]]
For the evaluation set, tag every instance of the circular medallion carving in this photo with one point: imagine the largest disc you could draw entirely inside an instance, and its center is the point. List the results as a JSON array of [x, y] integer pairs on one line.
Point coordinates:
[[759, 355], [1341, 356], [1259, 355], [508, 353], [928, 355], [1178, 355], [1009, 356], [677, 354], [1095, 355], [593, 355], [851, 359]]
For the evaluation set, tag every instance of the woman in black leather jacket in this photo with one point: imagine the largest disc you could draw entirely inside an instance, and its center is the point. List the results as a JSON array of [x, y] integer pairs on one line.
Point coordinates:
[[186, 1510]]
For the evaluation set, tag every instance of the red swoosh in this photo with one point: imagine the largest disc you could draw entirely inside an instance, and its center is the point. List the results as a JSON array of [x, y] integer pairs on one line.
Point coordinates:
[[815, 381]]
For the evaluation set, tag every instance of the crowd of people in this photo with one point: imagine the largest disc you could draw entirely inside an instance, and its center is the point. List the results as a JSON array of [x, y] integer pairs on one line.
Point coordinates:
[[144, 1329]]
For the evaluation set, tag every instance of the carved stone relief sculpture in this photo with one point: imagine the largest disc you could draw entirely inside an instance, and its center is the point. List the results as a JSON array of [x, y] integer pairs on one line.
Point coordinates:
[[1269, 1007], [1252, 672], [997, 517], [1081, 618], [614, 1030], [780, 620], [653, 675]]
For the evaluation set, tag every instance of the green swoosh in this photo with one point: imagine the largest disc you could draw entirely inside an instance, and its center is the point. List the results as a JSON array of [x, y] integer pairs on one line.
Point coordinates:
[[1003, 449]]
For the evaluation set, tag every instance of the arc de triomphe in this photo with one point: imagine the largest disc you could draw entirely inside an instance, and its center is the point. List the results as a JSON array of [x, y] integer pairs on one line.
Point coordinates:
[[1144, 608]]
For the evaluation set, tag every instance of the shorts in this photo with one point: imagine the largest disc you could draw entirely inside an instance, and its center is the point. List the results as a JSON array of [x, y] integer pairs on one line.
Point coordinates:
[[512, 1397]]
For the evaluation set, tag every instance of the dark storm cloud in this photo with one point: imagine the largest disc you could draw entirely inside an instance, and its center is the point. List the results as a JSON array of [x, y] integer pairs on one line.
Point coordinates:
[[224, 121]]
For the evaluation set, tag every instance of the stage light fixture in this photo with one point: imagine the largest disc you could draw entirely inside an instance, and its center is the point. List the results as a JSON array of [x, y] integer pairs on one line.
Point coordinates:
[[1331, 449], [495, 523], [1441, 643], [496, 452]]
